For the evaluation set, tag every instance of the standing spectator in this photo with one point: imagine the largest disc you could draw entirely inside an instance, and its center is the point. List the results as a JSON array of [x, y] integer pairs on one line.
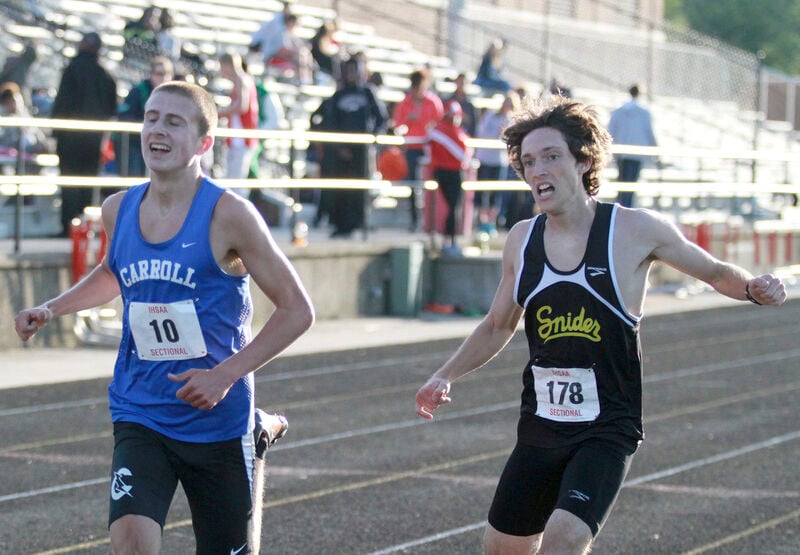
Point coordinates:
[[449, 156], [88, 92], [183, 255], [490, 73], [240, 113], [325, 51], [16, 69], [418, 112], [130, 160], [469, 118], [631, 124], [494, 164], [353, 108]]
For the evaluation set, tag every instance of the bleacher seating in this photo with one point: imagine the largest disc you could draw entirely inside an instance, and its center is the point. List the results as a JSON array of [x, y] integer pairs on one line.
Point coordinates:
[[213, 26]]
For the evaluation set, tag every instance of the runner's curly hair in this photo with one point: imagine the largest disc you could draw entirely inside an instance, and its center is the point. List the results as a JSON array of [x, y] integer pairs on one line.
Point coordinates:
[[586, 139]]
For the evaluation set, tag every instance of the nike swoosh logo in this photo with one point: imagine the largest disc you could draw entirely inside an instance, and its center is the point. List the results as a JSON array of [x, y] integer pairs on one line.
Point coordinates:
[[235, 551], [184, 246]]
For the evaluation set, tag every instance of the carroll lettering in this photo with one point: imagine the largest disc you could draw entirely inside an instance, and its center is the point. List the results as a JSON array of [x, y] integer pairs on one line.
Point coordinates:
[[155, 269]]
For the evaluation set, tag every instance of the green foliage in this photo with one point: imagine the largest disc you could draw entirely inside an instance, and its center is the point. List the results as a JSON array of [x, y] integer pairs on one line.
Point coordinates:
[[764, 25]]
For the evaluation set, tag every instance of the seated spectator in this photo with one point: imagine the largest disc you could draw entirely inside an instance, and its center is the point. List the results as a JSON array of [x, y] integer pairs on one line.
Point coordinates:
[[325, 52], [168, 44], [141, 35], [12, 104], [489, 75], [292, 59], [128, 146], [42, 101]]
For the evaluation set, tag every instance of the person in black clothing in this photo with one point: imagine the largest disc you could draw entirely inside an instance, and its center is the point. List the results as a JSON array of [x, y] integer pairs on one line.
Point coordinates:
[[88, 92], [577, 274], [325, 51], [353, 108]]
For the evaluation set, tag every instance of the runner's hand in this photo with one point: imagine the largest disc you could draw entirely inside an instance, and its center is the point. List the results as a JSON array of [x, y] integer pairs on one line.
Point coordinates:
[[203, 388], [768, 290], [31, 320], [431, 396]]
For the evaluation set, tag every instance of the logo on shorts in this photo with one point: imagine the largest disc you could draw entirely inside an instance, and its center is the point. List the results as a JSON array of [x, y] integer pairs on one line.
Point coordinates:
[[236, 551], [579, 495], [119, 488]]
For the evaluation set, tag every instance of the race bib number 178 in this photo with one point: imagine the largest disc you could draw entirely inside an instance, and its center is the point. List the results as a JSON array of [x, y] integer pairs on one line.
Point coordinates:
[[566, 394], [166, 331]]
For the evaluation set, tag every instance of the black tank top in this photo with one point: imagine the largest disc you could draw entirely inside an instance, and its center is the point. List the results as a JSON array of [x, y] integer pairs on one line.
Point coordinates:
[[584, 376]]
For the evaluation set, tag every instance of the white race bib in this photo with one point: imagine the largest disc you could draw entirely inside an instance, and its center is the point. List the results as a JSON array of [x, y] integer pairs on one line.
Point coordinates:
[[566, 394], [166, 331]]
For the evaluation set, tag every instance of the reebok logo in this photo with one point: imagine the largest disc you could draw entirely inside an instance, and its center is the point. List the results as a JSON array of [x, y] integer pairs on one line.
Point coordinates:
[[579, 495], [119, 488], [187, 245]]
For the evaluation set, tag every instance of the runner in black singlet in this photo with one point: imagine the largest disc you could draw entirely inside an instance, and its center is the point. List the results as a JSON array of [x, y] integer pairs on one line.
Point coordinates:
[[577, 274]]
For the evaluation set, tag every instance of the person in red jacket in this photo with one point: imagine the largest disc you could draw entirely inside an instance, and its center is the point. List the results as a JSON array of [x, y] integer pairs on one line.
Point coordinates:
[[449, 156], [413, 117]]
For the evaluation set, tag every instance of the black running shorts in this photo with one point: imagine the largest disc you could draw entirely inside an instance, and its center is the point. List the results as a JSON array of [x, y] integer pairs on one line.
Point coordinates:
[[583, 479], [216, 478]]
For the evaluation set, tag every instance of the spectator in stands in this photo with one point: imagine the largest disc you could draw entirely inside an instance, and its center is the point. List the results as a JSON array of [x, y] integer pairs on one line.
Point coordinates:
[[449, 157], [169, 45], [469, 118], [13, 104], [240, 113], [271, 116], [17, 69], [129, 157], [325, 50], [353, 108], [578, 276], [268, 39], [418, 112], [490, 73], [86, 91], [282, 50], [141, 35], [631, 124], [494, 165], [559, 89], [42, 101]]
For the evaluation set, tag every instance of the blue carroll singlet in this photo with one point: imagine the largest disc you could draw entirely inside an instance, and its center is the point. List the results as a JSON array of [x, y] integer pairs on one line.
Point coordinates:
[[584, 376], [180, 311]]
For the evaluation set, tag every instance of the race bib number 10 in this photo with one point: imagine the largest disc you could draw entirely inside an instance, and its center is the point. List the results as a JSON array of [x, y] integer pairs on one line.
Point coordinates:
[[168, 331], [566, 394]]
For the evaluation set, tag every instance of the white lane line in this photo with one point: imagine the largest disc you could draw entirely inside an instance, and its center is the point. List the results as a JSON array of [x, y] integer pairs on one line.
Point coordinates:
[[53, 489], [771, 442], [430, 539]]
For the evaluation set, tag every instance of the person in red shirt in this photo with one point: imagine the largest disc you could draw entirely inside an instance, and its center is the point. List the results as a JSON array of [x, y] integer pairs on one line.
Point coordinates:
[[241, 113], [449, 156], [413, 117]]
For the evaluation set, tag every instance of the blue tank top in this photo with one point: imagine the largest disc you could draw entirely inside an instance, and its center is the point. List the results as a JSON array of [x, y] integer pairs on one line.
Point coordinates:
[[584, 376], [180, 311]]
